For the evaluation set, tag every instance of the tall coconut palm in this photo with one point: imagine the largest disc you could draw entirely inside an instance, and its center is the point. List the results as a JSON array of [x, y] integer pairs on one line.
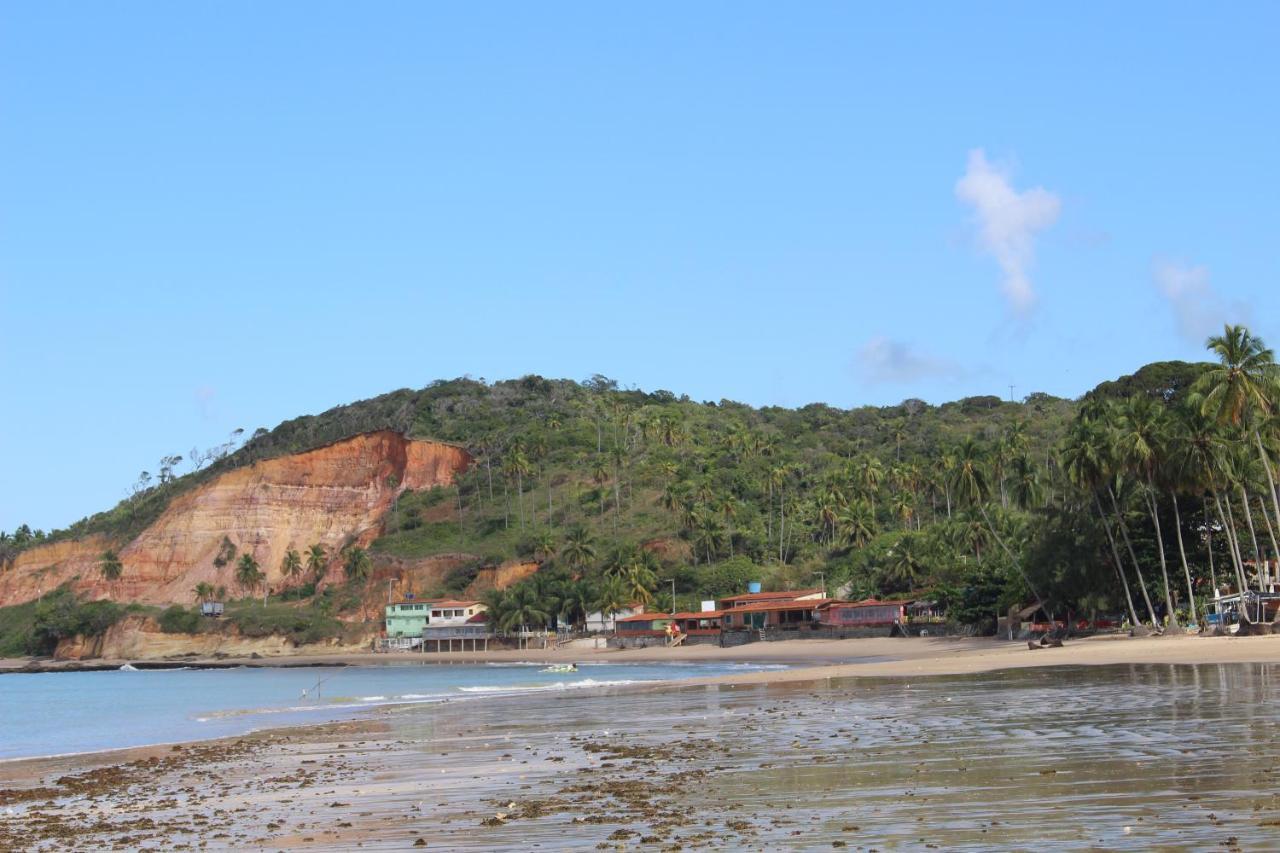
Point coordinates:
[[971, 485], [1140, 441], [1083, 462], [1242, 390]]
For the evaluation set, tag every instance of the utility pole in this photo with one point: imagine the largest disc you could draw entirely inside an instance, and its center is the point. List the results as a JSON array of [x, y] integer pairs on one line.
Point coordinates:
[[823, 576], [673, 596], [1011, 387]]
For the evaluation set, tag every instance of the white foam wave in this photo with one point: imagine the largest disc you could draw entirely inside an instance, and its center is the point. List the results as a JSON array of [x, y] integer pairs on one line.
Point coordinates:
[[542, 688]]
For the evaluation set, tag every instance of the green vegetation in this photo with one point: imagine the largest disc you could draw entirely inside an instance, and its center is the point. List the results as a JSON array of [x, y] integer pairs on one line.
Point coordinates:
[[34, 628], [1139, 498], [299, 624]]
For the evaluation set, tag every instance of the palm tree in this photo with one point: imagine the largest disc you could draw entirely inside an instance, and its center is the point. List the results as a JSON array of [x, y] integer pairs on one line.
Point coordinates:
[[905, 564], [971, 486], [1083, 462], [576, 602], [202, 592], [1242, 390], [859, 524], [1025, 488], [544, 546], [579, 548], [111, 568], [317, 561], [248, 575], [524, 609], [518, 467], [1140, 441], [600, 476], [612, 597], [357, 564], [291, 564], [708, 533]]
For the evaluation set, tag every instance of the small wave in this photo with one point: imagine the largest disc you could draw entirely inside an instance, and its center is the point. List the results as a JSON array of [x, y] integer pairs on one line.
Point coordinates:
[[542, 688], [373, 698], [128, 668]]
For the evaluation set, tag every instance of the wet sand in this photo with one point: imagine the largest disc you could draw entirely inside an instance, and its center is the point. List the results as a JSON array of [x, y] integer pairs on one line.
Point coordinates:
[[1117, 757]]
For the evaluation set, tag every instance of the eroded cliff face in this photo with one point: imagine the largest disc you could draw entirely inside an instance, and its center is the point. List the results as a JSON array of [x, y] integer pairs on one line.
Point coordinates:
[[332, 495]]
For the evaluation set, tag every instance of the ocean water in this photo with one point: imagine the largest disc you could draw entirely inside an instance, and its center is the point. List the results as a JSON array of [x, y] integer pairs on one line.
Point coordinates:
[[70, 712]]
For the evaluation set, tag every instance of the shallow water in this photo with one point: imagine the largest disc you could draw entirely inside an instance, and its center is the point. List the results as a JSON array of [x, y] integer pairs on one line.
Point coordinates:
[[71, 712], [1134, 757]]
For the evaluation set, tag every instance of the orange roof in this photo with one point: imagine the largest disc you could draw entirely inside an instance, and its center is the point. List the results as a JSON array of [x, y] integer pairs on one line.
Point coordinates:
[[448, 603], [702, 614], [771, 606], [643, 617], [873, 602], [788, 595]]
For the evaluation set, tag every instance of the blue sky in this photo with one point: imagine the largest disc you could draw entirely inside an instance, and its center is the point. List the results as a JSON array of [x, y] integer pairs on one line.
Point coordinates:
[[225, 215]]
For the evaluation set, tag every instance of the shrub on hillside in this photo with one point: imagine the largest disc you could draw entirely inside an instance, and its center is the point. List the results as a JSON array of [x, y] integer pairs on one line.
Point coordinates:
[[179, 620]]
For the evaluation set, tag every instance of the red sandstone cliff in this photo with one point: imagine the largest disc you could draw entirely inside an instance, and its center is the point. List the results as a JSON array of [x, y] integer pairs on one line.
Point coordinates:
[[331, 495]]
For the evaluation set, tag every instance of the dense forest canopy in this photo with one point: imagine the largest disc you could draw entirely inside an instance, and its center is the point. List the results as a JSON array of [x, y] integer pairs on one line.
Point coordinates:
[[1136, 500]]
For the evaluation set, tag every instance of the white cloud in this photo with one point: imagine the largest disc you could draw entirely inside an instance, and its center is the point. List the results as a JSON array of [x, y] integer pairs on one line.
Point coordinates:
[[1198, 309], [1007, 222], [883, 360]]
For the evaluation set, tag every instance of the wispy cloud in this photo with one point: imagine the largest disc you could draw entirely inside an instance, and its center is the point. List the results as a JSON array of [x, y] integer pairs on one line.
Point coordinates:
[[1198, 309], [883, 360], [1007, 222]]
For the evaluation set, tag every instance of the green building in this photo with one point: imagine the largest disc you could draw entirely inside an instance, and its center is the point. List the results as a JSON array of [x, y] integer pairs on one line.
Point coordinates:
[[407, 618]]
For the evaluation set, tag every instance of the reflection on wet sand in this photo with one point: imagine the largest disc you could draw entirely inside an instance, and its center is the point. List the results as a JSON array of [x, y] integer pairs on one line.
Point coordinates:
[[1129, 757]]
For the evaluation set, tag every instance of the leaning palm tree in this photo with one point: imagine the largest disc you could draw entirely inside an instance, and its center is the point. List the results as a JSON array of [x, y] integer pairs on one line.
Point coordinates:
[[1140, 440], [1083, 463]]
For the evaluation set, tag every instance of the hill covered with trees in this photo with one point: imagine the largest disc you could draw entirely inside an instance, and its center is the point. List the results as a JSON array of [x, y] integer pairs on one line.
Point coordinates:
[[1136, 499]]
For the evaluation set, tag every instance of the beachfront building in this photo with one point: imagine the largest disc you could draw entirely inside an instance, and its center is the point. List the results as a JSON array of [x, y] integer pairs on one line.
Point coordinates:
[[749, 599], [786, 615], [868, 613], [704, 623], [643, 625], [456, 625], [405, 621]]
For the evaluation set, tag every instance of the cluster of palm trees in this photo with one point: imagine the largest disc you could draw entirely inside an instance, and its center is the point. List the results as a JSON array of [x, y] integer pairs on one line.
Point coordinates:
[[1212, 450], [575, 582]]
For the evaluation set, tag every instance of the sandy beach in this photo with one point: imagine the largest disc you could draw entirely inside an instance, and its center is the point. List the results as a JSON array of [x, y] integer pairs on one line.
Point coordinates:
[[678, 765], [888, 657]]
